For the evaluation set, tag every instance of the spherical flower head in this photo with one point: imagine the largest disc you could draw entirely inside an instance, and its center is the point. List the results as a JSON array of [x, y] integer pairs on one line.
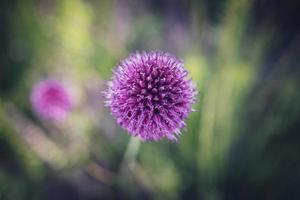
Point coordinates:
[[51, 100], [150, 95]]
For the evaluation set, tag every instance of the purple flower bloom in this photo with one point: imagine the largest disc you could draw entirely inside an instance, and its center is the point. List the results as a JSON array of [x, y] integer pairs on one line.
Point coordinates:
[[150, 95], [51, 100]]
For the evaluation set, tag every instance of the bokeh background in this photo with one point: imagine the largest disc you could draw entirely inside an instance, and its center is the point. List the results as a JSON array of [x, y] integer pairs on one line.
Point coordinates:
[[242, 143]]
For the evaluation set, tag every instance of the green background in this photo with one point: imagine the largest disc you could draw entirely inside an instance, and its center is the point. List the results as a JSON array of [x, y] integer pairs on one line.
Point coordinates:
[[242, 142]]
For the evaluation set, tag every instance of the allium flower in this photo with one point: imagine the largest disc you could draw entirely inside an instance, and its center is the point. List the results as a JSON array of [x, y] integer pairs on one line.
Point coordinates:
[[150, 95], [51, 100]]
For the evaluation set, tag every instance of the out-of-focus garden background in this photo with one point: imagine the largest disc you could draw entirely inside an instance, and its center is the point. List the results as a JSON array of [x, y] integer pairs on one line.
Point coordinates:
[[242, 143]]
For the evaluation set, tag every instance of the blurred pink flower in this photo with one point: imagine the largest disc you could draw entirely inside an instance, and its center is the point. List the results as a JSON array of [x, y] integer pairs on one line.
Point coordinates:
[[51, 100]]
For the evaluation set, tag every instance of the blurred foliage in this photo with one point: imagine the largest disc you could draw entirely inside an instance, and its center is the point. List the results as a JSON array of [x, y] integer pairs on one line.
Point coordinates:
[[241, 143]]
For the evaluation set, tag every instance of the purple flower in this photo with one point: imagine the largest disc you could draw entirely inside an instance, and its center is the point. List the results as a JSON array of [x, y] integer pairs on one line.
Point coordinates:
[[51, 100], [150, 95]]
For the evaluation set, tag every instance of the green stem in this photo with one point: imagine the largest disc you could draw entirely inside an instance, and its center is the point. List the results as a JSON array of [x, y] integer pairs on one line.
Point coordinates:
[[130, 154]]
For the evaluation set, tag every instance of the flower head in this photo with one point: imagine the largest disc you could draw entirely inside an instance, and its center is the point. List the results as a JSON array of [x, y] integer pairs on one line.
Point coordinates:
[[51, 100], [150, 95]]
